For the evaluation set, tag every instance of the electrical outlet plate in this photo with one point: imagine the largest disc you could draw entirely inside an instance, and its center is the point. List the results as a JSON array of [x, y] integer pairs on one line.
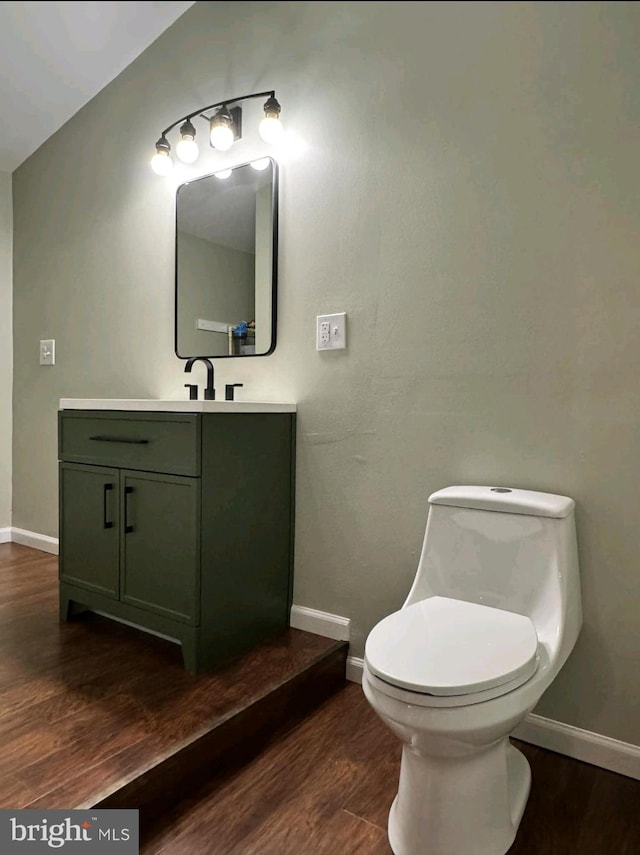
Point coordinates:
[[331, 331], [48, 351]]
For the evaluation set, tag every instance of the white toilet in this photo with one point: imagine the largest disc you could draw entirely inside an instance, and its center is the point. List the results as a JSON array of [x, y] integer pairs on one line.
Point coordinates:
[[490, 619]]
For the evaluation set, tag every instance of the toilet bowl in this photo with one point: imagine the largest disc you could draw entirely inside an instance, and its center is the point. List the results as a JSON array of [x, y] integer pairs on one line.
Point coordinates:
[[491, 617]]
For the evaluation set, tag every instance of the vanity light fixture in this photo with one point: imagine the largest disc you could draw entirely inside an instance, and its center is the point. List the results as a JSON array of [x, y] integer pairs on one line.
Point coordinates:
[[225, 127]]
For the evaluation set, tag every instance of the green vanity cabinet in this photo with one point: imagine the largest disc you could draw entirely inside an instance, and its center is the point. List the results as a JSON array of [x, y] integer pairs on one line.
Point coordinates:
[[153, 565], [181, 523], [160, 563], [89, 529]]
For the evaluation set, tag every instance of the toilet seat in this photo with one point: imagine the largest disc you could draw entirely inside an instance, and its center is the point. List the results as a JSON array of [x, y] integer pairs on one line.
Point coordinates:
[[449, 650]]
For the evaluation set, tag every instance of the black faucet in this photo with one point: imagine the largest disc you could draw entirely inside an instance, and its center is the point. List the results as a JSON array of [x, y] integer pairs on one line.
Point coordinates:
[[229, 390], [209, 392]]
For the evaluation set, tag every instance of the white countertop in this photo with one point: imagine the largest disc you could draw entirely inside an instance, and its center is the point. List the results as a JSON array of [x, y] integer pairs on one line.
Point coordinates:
[[169, 406]]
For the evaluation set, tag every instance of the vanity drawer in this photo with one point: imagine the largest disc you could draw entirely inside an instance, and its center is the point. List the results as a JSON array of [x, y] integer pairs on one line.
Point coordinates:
[[152, 442]]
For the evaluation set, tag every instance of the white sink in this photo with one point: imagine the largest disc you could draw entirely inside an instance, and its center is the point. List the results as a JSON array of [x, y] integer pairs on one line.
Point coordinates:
[[173, 406]]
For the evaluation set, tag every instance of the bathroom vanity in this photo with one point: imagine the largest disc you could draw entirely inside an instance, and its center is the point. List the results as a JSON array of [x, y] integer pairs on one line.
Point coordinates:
[[177, 516]]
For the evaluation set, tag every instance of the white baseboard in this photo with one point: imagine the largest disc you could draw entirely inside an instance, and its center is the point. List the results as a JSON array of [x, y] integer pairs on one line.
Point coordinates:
[[5, 535], [603, 751], [354, 669], [320, 623], [35, 540], [610, 754]]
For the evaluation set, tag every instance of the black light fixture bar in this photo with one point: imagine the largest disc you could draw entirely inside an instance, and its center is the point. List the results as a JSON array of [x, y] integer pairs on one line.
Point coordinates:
[[227, 101]]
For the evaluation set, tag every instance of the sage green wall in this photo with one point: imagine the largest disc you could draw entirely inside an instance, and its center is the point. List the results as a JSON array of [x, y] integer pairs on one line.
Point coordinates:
[[465, 187], [6, 348]]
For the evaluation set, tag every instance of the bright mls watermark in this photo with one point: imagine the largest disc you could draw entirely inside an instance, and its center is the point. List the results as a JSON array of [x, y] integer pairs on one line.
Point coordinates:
[[83, 832]]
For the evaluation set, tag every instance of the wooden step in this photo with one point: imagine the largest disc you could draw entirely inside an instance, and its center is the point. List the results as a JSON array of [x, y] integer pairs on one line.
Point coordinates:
[[235, 733], [95, 713]]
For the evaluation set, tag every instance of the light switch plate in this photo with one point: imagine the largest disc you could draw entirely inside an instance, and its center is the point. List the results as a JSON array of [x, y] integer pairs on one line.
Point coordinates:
[[48, 351], [331, 331]]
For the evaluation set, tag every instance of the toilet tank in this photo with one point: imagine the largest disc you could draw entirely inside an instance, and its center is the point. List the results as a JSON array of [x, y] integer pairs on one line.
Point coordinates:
[[507, 548]]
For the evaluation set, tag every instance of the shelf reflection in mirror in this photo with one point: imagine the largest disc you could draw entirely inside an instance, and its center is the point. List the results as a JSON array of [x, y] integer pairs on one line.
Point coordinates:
[[226, 262]]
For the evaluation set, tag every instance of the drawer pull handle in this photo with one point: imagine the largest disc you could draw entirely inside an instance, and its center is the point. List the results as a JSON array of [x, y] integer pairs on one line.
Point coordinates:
[[107, 522], [120, 439], [128, 528]]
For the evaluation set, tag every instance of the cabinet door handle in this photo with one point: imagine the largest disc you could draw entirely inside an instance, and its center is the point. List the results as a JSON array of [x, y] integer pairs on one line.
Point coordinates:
[[128, 528], [120, 439], [107, 522]]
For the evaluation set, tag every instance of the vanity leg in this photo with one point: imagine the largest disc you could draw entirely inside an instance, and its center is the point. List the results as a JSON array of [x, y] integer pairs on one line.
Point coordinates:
[[65, 607], [69, 608], [190, 653]]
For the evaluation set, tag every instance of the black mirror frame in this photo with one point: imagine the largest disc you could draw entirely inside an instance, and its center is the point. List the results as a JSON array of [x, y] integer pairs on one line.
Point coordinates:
[[274, 267]]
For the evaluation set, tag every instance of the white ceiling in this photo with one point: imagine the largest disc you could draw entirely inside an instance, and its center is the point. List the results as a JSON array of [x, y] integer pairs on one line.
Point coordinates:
[[54, 57]]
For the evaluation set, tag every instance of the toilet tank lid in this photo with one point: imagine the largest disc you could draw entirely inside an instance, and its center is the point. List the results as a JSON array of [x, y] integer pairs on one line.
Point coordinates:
[[505, 500]]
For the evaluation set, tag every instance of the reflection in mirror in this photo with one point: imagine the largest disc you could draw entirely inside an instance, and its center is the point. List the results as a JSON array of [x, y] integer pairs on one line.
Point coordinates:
[[226, 262]]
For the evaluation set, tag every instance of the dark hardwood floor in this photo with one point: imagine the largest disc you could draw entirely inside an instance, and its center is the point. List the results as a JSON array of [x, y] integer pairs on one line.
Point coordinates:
[[325, 789], [246, 760], [94, 713]]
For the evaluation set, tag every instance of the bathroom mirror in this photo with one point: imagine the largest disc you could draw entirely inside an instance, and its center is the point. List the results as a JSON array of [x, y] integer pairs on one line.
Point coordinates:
[[226, 262]]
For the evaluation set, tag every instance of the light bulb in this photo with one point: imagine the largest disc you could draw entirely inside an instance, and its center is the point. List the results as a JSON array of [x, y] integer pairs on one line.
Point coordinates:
[[187, 150], [221, 137], [270, 129], [221, 130], [262, 163], [224, 173], [161, 162]]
